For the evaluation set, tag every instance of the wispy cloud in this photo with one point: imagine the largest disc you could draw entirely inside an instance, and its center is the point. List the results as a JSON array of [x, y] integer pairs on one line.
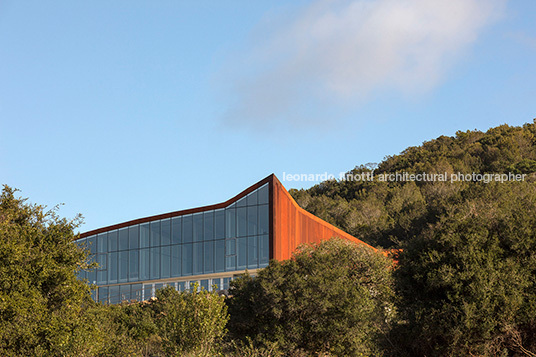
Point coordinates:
[[339, 53]]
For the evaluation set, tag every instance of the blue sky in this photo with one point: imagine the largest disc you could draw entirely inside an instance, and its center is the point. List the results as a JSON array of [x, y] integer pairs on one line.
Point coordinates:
[[124, 109]]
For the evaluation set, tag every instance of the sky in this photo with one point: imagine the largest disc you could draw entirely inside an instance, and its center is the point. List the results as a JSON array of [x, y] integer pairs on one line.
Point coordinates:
[[124, 109]]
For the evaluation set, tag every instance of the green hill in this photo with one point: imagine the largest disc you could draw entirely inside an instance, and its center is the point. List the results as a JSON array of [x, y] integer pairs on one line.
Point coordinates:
[[387, 214]]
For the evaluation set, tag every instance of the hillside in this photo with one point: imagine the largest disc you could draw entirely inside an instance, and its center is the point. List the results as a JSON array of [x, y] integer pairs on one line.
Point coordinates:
[[387, 214]]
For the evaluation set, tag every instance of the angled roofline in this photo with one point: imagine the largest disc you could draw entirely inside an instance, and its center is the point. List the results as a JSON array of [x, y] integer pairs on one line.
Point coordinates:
[[230, 201]]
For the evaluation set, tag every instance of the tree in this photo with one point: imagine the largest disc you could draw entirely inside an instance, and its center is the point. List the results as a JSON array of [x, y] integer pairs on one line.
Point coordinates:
[[334, 297], [467, 285], [41, 299]]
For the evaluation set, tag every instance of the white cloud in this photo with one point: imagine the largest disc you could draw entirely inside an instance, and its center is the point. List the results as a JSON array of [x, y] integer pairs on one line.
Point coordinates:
[[338, 53]]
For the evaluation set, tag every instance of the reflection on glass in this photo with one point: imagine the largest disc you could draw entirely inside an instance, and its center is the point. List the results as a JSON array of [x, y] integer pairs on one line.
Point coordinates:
[[220, 256], [102, 243], [175, 260], [198, 258], [123, 239], [263, 219], [145, 267], [165, 262], [133, 263], [209, 257], [263, 195], [166, 232], [187, 229], [219, 223], [155, 234], [144, 235], [253, 253], [252, 198], [208, 231], [133, 237], [112, 241], [176, 230], [230, 222], [252, 220], [155, 263], [242, 246], [241, 220], [198, 227], [112, 267], [187, 252]]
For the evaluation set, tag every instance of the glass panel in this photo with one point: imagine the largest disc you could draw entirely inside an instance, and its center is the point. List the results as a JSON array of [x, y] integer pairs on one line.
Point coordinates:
[[204, 284], [181, 286], [145, 267], [136, 291], [124, 292], [216, 283], [92, 244], [263, 219], [101, 260], [102, 277], [230, 248], [155, 263], [252, 220], [133, 237], [263, 193], [103, 295], [209, 257], [165, 261], [242, 246], [198, 258], [187, 229], [187, 254], [112, 267], [114, 294], [220, 256], [166, 232], [219, 223], [241, 202], [226, 282], [102, 242], [253, 252], [144, 235], [176, 230], [230, 222], [158, 287], [112, 241], [155, 234], [208, 232], [133, 265], [264, 250], [123, 266], [92, 276], [252, 198], [123, 239], [147, 291], [241, 220], [175, 260], [82, 274], [230, 262], [198, 227]]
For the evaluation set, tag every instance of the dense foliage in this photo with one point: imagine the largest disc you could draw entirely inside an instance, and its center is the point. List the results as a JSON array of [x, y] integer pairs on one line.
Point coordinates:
[[389, 213], [332, 298]]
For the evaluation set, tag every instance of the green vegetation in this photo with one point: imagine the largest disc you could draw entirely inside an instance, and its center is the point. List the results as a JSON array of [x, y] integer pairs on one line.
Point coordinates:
[[332, 298], [464, 281]]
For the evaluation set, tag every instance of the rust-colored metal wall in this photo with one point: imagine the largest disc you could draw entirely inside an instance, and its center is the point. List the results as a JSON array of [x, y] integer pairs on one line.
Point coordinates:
[[292, 225]]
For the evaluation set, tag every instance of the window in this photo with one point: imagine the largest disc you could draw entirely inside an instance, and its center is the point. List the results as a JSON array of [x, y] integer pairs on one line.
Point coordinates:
[[230, 222], [155, 234], [175, 260], [219, 223], [264, 246], [102, 242], [123, 239], [145, 267], [242, 245], [103, 295], [263, 195], [198, 258], [252, 220], [198, 227], [124, 292], [264, 217], [114, 294], [112, 267], [144, 235], [187, 229], [219, 256], [165, 261], [209, 257], [253, 252], [133, 265], [252, 198], [92, 244], [208, 232], [187, 255], [165, 232], [123, 266], [241, 219], [136, 292], [155, 263], [133, 237], [112, 241], [176, 230]]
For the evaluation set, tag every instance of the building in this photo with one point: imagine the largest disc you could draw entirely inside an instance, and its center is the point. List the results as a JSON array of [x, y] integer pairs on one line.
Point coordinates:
[[209, 245]]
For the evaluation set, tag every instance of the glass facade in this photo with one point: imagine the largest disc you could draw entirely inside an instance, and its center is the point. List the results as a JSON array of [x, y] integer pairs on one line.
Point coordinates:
[[229, 239]]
